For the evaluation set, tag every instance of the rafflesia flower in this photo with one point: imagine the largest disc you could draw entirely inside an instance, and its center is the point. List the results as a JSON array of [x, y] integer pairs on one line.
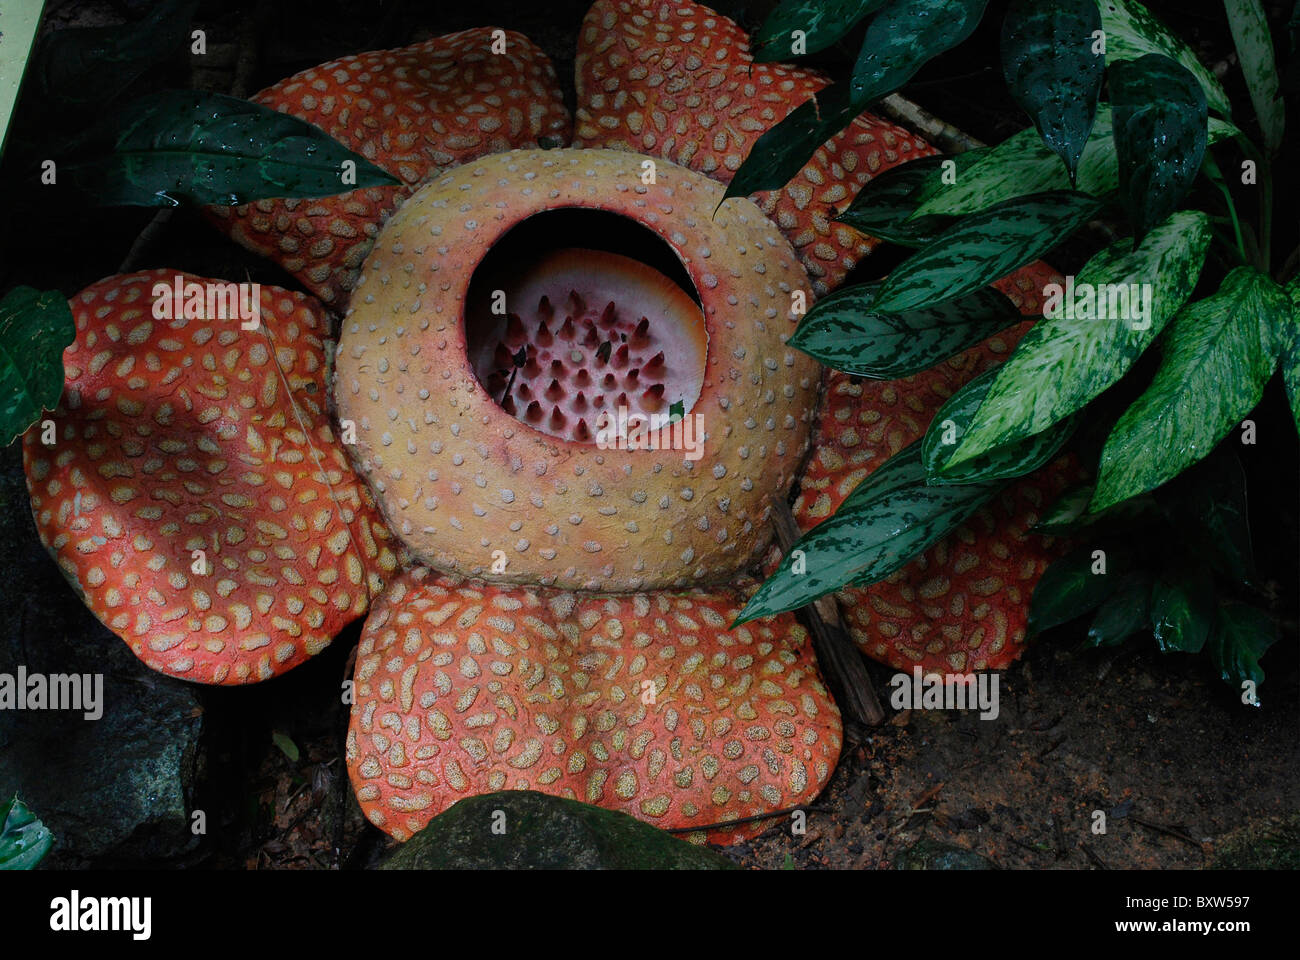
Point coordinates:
[[510, 309]]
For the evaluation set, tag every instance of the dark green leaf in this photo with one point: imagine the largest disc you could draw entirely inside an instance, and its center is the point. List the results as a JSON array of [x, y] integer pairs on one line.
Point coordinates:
[[883, 524], [1212, 513], [843, 331], [676, 411], [1069, 514], [1000, 463], [1241, 635], [1080, 348], [35, 328], [1219, 353], [1255, 50], [782, 151], [883, 207], [983, 247], [1022, 164], [822, 21], [1160, 135], [1069, 588], [24, 840], [1182, 608], [1125, 613], [92, 65], [1132, 32], [1289, 340], [901, 38], [1049, 65], [210, 148]]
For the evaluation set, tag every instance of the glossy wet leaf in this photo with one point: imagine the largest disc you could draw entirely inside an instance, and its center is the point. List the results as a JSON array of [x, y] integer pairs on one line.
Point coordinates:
[[35, 327], [883, 207], [181, 145], [822, 21], [1254, 45], [1022, 164], [1218, 355], [24, 840], [985, 246], [1160, 136], [844, 332], [782, 151], [1051, 70], [1132, 31], [1070, 356], [889, 518], [902, 36], [1123, 613], [1183, 608], [1069, 588], [1242, 634], [1003, 462]]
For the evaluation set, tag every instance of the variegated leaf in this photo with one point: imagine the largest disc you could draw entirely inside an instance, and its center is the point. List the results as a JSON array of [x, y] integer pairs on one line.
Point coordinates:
[[884, 207], [1160, 136], [1070, 356], [822, 22], [1255, 50], [1289, 336], [1132, 31], [985, 246], [843, 331], [1004, 462], [1023, 164], [1219, 353], [890, 517]]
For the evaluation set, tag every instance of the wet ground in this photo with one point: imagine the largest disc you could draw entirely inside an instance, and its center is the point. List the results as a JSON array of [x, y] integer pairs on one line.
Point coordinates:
[[1157, 744]]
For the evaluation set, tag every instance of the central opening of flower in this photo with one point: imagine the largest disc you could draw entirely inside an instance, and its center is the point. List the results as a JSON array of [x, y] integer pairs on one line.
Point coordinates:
[[580, 319]]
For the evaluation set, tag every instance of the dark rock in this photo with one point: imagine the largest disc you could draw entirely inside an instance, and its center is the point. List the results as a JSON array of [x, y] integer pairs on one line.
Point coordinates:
[[545, 833], [927, 854], [113, 789]]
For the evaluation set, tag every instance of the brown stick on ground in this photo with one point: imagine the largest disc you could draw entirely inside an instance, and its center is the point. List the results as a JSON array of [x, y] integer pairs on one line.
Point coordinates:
[[839, 659]]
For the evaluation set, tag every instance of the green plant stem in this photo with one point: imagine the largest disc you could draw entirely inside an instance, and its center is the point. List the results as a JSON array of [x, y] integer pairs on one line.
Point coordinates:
[[1236, 224], [1264, 173], [1215, 176]]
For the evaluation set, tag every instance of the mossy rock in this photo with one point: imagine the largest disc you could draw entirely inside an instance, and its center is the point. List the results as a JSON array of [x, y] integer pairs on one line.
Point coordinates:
[[534, 831], [1269, 844], [928, 854]]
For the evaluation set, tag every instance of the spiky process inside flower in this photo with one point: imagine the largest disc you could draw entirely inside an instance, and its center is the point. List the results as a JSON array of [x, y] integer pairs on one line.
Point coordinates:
[[607, 336], [963, 604], [195, 494], [644, 703], [413, 112], [678, 81], [465, 483]]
